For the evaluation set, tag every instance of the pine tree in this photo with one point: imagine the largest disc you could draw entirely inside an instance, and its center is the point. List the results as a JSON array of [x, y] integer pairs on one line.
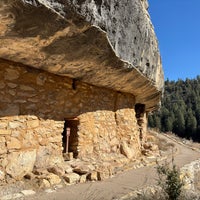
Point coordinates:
[[191, 125], [179, 123], [180, 111]]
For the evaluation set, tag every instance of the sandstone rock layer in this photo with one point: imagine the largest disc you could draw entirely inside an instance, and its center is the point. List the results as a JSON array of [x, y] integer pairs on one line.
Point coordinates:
[[110, 44]]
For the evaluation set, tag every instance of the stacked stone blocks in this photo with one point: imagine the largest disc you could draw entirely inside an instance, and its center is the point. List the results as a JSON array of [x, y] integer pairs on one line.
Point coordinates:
[[33, 107]]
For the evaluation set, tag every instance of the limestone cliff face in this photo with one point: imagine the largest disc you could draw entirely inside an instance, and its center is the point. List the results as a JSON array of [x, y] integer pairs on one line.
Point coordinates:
[[107, 43]]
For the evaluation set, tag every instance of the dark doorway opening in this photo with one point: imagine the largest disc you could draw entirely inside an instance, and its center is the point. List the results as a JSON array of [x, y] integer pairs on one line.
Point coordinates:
[[70, 136], [140, 111]]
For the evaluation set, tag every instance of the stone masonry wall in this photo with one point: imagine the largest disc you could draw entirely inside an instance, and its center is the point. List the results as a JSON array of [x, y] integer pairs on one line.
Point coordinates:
[[33, 106]]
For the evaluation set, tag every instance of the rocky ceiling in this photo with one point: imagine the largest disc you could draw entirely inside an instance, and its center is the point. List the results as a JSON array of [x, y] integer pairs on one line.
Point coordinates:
[[107, 43]]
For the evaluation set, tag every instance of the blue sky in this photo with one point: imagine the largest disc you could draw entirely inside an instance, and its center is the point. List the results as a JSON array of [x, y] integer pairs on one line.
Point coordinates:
[[177, 26]]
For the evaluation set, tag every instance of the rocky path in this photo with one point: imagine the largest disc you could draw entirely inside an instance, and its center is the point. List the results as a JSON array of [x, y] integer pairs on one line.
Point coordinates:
[[121, 184]]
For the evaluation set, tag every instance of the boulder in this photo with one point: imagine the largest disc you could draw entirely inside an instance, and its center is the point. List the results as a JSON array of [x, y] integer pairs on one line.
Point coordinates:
[[45, 183], [92, 176], [20, 163], [71, 178], [81, 169], [105, 171], [47, 156], [68, 168], [83, 178], [53, 179], [127, 151], [58, 170]]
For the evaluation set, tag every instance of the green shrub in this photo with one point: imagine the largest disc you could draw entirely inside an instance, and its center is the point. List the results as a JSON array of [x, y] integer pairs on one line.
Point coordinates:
[[169, 180]]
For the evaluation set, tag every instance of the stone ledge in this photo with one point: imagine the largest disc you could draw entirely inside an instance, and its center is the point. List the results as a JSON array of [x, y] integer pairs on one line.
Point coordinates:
[[87, 46]]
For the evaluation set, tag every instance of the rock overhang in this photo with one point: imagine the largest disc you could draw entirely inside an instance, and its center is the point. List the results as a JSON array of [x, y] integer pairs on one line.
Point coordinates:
[[105, 43]]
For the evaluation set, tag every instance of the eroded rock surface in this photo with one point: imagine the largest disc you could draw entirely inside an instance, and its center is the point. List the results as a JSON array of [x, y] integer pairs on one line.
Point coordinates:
[[110, 44], [19, 164]]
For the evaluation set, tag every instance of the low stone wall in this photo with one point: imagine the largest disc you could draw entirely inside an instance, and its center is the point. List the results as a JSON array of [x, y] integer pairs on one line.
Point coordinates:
[[33, 108], [27, 141], [191, 175]]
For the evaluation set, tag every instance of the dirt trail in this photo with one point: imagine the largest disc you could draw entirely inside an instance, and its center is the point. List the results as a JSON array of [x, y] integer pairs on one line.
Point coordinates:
[[120, 185]]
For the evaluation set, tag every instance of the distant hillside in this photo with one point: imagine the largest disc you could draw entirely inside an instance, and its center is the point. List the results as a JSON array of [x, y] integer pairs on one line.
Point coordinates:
[[180, 111]]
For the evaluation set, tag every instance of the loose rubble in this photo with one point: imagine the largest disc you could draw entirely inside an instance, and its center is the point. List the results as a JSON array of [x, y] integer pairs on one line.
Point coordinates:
[[74, 171]]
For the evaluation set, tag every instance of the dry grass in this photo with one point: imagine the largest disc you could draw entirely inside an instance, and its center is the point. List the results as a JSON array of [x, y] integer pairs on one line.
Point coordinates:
[[190, 143], [162, 143]]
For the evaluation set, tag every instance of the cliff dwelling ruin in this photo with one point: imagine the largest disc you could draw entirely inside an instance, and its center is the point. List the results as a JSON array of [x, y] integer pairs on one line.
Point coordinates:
[[75, 76]]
